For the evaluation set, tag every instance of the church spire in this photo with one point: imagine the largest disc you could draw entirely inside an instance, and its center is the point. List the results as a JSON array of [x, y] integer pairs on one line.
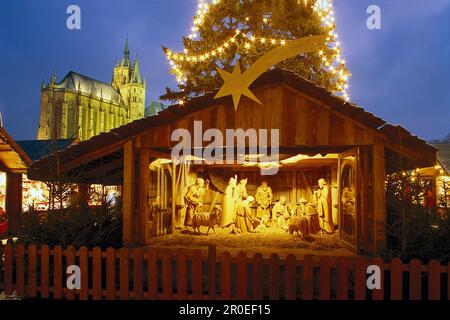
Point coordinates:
[[53, 78], [136, 75], [126, 55]]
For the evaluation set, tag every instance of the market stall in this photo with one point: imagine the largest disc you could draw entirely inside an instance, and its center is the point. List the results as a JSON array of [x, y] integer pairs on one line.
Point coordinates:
[[332, 157]]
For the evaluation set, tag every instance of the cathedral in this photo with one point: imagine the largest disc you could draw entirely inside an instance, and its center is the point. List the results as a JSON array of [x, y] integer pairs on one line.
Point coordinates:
[[82, 107]]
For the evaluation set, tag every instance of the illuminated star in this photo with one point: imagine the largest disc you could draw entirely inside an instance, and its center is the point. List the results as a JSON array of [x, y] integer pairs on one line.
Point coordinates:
[[237, 83]]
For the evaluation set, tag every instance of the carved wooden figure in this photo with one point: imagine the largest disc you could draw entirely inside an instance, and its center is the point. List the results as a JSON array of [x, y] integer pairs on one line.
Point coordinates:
[[324, 206]]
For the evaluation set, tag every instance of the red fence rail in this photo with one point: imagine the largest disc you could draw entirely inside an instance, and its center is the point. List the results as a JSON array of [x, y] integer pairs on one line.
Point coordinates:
[[191, 274]]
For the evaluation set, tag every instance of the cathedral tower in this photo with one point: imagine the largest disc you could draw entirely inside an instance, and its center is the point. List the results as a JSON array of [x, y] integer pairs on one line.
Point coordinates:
[[128, 81], [82, 107]]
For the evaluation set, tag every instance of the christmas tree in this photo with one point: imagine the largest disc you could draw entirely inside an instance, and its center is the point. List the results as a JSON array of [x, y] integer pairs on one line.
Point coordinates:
[[225, 31]]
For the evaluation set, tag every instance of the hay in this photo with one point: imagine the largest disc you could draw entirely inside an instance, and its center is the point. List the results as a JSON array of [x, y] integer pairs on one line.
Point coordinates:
[[265, 241]]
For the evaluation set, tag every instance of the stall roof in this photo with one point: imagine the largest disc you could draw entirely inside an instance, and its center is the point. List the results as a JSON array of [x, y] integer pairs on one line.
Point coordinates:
[[444, 155], [37, 149], [12, 157], [115, 139]]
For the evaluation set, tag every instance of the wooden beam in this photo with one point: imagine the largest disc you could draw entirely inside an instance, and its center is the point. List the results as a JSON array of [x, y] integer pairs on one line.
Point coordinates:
[[144, 189], [90, 156], [101, 171], [174, 189], [13, 201], [305, 181], [128, 186], [379, 196]]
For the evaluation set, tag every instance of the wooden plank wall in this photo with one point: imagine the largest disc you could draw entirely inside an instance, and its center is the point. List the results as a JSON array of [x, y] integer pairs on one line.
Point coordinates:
[[301, 121]]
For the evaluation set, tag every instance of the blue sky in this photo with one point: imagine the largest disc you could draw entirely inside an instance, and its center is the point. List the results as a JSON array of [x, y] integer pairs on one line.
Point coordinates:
[[401, 72]]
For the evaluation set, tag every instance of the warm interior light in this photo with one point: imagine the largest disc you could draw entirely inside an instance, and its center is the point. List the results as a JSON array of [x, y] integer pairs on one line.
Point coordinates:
[[158, 163], [301, 157]]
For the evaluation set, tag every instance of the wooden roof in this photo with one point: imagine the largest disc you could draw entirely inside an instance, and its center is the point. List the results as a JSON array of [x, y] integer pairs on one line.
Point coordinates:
[[12, 157], [444, 155], [107, 148], [37, 149]]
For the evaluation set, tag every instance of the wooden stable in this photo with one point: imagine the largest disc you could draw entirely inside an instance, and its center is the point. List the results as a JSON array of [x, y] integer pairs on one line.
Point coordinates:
[[311, 122]]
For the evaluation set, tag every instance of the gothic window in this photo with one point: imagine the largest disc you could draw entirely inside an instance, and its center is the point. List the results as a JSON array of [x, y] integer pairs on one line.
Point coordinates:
[[94, 116], [71, 123], [102, 121]]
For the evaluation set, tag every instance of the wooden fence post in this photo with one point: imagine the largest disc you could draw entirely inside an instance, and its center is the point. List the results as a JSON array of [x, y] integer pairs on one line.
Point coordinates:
[[342, 282], [70, 260], [167, 275], [32, 286], [308, 278], [110, 274], [434, 280], [97, 273], [137, 274], [291, 277], [360, 278], [84, 269], [274, 277], [325, 278], [378, 294], [182, 275], [212, 272], [57, 272], [152, 274], [45, 283], [241, 276], [258, 277], [124, 274], [9, 269], [226, 276], [448, 281], [197, 293], [20, 271], [396, 279], [415, 280]]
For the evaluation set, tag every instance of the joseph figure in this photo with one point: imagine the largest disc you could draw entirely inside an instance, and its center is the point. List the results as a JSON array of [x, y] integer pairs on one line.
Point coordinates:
[[194, 199], [264, 198], [324, 206]]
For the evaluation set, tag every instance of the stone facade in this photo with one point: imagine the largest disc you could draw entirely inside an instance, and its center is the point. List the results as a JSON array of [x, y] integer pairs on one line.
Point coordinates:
[[82, 107]]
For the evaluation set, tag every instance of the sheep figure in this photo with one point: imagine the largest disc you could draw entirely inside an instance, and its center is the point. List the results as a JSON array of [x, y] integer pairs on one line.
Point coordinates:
[[207, 219], [299, 225]]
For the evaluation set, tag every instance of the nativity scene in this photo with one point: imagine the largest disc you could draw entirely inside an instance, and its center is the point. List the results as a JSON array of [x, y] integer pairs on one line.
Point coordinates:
[[241, 212]]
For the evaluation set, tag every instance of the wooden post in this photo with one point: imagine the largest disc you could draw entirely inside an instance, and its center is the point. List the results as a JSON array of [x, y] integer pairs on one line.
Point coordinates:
[[128, 186], [13, 202], [174, 187], [83, 190], [379, 196], [144, 205], [159, 202]]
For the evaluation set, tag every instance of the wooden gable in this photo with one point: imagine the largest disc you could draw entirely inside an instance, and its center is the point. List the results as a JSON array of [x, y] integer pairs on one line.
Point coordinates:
[[302, 121]]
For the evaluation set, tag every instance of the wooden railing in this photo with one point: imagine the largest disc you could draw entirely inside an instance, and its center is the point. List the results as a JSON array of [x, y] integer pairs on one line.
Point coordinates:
[[145, 273]]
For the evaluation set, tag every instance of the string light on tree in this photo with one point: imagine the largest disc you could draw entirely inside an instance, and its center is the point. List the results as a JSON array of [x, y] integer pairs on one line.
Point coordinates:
[[185, 62]]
